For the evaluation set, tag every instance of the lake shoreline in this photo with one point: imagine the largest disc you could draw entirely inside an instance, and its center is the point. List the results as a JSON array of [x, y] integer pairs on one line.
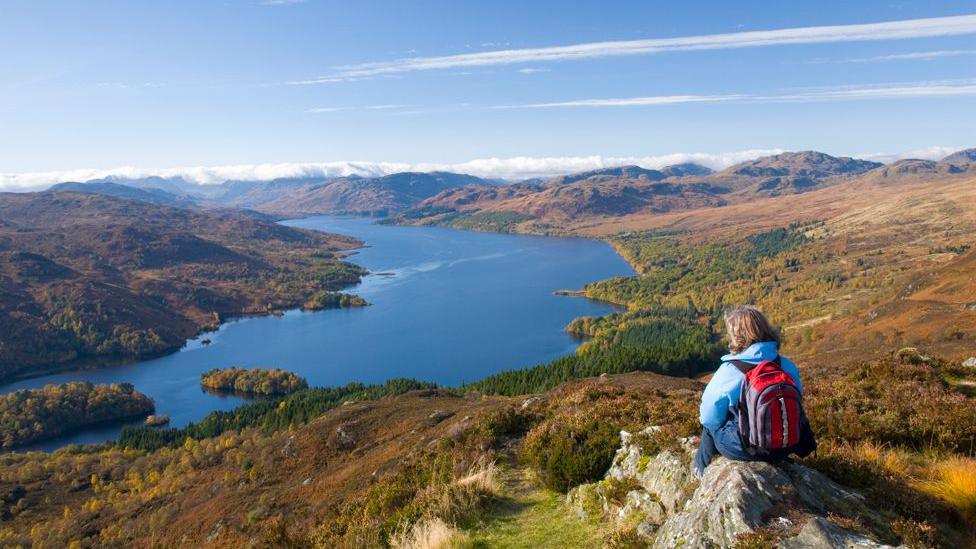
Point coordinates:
[[492, 264]]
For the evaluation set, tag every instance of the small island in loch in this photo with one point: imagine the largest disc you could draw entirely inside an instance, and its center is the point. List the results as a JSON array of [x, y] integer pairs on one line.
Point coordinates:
[[153, 420], [333, 300], [30, 415], [253, 381]]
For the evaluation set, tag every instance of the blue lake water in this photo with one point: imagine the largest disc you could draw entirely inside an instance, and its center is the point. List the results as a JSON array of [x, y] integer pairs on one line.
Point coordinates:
[[447, 306]]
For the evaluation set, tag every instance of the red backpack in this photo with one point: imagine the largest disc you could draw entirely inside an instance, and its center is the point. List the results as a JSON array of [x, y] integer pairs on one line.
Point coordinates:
[[770, 408]]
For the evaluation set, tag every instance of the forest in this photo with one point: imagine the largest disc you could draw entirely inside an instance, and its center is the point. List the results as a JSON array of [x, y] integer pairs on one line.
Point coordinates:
[[254, 381], [267, 415], [30, 415], [333, 300], [674, 342]]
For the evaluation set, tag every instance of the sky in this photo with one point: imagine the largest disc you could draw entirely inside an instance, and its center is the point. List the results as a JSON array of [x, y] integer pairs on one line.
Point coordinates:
[[266, 88]]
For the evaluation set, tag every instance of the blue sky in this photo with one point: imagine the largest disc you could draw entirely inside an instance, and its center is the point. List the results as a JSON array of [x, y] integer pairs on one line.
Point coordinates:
[[147, 85]]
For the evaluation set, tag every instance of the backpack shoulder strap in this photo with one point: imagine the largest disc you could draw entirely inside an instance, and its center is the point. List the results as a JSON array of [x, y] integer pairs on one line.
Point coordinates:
[[742, 365]]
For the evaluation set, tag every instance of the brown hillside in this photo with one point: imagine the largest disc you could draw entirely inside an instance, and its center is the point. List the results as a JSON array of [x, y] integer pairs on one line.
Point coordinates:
[[87, 276]]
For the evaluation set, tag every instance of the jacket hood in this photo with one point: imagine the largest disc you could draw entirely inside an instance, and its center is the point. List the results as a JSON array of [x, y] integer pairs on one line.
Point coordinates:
[[755, 353]]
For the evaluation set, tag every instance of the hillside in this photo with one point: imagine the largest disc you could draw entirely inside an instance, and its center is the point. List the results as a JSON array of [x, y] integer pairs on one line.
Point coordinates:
[[378, 196], [372, 463], [555, 205], [86, 277]]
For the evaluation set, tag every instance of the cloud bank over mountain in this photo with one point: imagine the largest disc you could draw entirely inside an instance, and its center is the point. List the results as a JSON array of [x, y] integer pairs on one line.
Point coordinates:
[[511, 168]]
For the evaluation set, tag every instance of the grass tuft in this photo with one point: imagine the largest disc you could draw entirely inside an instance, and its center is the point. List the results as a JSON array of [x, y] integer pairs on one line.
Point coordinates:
[[955, 483], [428, 534]]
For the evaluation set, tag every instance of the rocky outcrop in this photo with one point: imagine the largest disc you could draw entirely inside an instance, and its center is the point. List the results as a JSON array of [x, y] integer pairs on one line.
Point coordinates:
[[653, 491]]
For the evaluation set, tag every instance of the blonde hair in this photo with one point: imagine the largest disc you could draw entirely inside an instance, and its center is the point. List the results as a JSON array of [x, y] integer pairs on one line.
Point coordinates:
[[747, 325]]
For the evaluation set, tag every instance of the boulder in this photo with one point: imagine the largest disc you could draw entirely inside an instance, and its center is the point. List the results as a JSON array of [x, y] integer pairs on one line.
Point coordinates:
[[666, 474], [342, 438], [671, 509], [820, 532], [970, 362]]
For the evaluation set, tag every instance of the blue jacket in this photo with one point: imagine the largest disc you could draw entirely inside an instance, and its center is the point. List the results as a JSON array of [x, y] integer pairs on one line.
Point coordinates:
[[722, 393]]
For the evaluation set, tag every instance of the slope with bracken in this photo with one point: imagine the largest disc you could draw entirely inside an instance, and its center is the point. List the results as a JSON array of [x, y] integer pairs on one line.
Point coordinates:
[[86, 276]]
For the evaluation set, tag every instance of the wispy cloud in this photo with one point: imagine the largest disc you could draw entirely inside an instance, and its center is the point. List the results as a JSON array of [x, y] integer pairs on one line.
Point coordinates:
[[891, 30], [912, 56], [512, 168], [387, 107], [533, 70], [923, 89], [322, 110], [281, 2]]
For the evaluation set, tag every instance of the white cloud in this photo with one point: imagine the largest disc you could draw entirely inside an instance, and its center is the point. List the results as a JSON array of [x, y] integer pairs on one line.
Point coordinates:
[[522, 167], [913, 90], [320, 110], [891, 30], [204, 174], [512, 168], [533, 70], [281, 2], [507, 168], [912, 56], [630, 101], [928, 153]]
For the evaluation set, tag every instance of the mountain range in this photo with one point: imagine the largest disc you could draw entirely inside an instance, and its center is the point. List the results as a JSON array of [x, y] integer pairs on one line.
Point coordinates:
[[534, 205]]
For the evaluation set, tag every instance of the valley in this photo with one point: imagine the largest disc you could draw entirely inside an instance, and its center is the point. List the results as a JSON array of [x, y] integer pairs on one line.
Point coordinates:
[[866, 268]]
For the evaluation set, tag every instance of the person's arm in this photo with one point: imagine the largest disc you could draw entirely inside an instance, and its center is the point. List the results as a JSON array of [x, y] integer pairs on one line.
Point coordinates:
[[715, 401]]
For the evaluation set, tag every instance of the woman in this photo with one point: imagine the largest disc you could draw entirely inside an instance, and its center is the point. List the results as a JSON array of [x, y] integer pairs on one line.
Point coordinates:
[[752, 340]]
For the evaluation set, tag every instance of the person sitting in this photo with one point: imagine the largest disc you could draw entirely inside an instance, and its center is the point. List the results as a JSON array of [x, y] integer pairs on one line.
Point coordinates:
[[752, 409]]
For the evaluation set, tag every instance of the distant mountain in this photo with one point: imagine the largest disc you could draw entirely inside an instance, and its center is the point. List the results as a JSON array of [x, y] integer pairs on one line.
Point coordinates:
[[808, 164], [288, 196], [622, 172], [173, 185], [626, 190], [686, 169], [962, 158], [252, 194], [148, 194], [378, 196], [911, 169], [604, 193]]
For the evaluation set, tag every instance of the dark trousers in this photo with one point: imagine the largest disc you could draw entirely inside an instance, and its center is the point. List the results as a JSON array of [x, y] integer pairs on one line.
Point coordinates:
[[725, 440]]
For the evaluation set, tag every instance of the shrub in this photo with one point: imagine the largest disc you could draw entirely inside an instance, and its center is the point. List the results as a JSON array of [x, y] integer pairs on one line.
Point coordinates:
[[625, 538], [506, 422], [759, 539], [916, 535], [570, 453]]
